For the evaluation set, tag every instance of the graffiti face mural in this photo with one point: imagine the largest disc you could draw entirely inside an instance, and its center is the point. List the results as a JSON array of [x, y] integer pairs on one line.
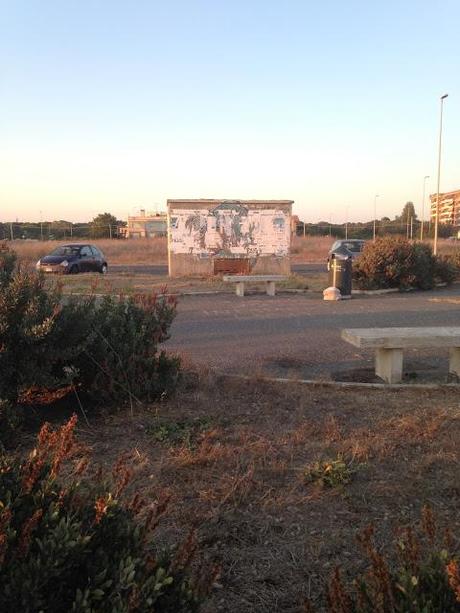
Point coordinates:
[[230, 230]]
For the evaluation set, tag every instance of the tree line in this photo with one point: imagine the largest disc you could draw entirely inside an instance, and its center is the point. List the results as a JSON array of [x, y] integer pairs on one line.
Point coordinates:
[[407, 224], [104, 225]]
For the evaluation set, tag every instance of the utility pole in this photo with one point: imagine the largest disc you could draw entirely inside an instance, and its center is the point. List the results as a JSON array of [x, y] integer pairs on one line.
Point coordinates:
[[375, 215], [423, 206], [11, 231], [411, 227], [110, 231], [436, 219]]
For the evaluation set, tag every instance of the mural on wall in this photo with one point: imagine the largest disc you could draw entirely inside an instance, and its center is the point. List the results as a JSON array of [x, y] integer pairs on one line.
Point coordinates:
[[230, 230]]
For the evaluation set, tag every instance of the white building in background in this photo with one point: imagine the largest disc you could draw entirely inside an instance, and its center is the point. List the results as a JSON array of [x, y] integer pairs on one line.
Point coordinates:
[[145, 225], [449, 207]]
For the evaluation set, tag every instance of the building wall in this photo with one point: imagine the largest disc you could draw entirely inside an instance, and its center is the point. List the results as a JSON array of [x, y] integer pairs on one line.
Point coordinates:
[[449, 207], [204, 233], [146, 226]]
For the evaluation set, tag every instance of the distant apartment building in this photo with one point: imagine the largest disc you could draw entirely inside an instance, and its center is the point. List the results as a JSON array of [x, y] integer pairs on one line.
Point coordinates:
[[145, 225], [449, 207]]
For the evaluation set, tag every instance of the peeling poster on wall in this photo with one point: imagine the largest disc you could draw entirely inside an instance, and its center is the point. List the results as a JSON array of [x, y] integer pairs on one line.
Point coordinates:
[[230, 230]]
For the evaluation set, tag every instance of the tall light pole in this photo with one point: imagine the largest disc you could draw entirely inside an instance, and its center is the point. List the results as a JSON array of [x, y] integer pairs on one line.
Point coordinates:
[[436, 218], [375, 213], [423, 206]]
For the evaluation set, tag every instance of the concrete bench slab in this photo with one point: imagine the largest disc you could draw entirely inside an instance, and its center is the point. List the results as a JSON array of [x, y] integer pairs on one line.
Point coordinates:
[[390, 342], [240, 280]]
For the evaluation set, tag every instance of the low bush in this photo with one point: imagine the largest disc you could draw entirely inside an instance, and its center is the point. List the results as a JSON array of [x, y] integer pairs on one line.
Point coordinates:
[[426, 578], [186, 432], [108, 349], [31, 343], [330, 473], [452, 260], [70, 544], [394, 262], [121, 359], [7, 264]]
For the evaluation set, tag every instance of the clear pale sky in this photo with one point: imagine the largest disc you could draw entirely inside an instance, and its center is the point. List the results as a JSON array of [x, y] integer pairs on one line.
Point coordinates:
[[113, 106]]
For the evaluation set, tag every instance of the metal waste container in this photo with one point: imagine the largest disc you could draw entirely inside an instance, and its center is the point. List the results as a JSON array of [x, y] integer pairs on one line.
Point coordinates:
[[340, 268]]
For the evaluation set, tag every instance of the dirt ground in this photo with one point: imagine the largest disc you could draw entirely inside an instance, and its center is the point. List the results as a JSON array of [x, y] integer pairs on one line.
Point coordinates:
[[126, 283], [233, 455]]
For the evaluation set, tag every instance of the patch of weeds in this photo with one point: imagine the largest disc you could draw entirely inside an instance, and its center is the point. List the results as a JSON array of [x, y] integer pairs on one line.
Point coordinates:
[[294, 282], [184, 432], [330, 473]]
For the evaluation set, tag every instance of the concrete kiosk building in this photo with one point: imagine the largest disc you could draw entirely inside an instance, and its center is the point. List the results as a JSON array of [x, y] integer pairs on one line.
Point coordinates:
[[209, 237]]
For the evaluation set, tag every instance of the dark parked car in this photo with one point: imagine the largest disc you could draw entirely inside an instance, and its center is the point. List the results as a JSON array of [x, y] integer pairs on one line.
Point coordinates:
[[352, 246], [72, 259]]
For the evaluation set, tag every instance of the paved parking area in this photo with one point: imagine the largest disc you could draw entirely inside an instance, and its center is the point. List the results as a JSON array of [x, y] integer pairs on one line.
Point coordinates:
[[298, 335]]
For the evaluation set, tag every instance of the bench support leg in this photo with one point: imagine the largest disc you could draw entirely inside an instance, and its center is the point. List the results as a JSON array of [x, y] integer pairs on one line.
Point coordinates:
[[454, 361], [240, 289], [389, 365], [271, 288]]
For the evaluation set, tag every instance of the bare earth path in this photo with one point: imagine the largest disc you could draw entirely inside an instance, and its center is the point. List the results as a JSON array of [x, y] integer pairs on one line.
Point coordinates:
[[299, 335]]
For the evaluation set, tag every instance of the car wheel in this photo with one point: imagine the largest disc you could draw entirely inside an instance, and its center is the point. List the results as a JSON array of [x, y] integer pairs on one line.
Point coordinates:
[[73, 270], [104, 269]]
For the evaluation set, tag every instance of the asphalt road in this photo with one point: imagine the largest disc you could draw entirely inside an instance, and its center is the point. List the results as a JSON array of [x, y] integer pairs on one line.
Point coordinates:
[[298, 335], [162, 269]]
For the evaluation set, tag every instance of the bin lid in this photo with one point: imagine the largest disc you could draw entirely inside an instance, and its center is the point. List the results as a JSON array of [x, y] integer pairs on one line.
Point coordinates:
[[341, 253]]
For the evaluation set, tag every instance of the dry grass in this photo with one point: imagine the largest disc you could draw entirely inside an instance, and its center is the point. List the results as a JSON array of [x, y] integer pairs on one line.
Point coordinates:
[[310, 248], [129, 283], [242, 479], [154, 251], [118, 252]]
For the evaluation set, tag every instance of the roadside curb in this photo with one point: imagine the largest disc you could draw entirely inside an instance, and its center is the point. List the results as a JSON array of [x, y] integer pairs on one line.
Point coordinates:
[[344, 384]]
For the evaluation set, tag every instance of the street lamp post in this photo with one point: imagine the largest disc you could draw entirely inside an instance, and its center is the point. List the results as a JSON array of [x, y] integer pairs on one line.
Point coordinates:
[[436, 218], [375, 213], [423, 206]]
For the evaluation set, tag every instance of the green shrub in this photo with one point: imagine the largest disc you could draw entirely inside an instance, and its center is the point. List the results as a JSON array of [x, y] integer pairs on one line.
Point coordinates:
[[185, 432], [453, 259], [423, 266], [384, 263], [426, 578], [330, 473], [447, 269], [121, 360], [68, 544], [107, 349], [7, 264], [30, 341], [391, 262]]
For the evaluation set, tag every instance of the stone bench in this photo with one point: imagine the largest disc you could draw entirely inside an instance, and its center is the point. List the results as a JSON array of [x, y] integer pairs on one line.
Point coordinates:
[[389, 344], [241, 280]]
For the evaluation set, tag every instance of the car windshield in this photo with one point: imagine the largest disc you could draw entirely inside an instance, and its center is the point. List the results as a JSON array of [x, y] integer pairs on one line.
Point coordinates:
[[66, 250], [352, 246]]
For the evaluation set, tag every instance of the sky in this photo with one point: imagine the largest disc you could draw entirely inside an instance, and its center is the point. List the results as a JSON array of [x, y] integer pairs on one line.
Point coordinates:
[[114, 106]]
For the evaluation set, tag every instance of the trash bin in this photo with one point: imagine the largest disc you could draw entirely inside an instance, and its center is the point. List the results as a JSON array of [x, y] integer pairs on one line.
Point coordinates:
[[340, 271]]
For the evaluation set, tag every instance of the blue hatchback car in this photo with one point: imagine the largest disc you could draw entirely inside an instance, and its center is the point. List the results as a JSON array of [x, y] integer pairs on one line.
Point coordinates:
[[72, 259]]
